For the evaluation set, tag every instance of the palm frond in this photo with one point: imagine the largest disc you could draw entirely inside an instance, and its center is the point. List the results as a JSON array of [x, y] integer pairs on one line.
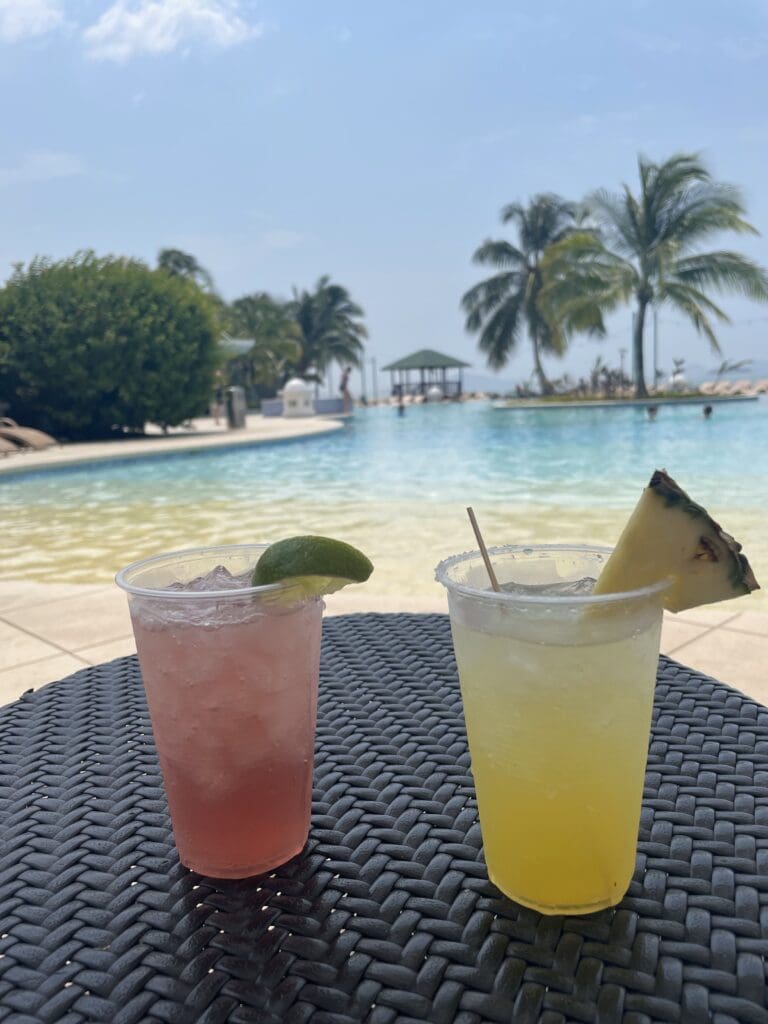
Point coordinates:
[[585, 253], [636, 218], [695, 295], [499, 254], [545, 330], [699, 212], [582, 280], [501, 332], [583, 318], [724, 271], [695, 305], [513, 211], [615, 222], [661, 183], [485, 297], [544, 220]]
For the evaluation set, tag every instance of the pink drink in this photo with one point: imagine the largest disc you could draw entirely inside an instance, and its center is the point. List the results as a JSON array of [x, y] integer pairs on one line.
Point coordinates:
[[231, 682]]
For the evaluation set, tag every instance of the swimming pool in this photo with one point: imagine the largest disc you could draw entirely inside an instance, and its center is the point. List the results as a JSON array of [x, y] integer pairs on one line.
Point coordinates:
[[397, 487]]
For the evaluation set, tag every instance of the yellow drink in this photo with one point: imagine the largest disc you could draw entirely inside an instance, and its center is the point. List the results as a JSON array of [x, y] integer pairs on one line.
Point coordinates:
[[557, 694]]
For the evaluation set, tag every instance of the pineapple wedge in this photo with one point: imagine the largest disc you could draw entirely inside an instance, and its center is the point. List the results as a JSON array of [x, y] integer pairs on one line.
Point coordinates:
[[669, 536]]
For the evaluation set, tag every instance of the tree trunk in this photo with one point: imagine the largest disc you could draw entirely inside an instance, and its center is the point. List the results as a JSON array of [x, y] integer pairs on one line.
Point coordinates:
[[545, 385], [638, 363]]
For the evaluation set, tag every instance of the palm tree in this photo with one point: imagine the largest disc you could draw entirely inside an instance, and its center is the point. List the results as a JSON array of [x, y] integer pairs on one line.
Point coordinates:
[[183, 264], [645, 249], [276, 339], [500, 306], [731, 367], [329, 326]]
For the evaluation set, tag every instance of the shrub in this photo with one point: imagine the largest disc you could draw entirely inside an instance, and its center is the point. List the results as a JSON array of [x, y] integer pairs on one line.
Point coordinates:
[[92, 346]]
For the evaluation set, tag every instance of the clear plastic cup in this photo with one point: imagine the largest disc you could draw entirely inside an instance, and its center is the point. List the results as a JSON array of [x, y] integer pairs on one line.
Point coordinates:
[[557, 687], [231, 681]]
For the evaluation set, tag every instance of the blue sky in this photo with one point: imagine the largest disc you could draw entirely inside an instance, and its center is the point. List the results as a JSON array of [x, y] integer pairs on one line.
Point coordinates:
[[278, 141]]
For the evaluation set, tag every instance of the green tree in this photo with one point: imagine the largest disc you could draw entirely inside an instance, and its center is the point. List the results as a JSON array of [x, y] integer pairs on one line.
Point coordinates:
[[276, 341], [330, 328], [646, 250], [502, 306], [93, 346], [731, 367], [183, 264]]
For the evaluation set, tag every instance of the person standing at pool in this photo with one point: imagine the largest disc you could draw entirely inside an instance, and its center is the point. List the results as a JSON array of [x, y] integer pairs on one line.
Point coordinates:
[[217, 405], [344, 389], [707, 411]]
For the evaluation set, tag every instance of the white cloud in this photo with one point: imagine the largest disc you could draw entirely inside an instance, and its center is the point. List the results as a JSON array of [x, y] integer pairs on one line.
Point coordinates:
[[130, 28], [42, 166], [24, 19]]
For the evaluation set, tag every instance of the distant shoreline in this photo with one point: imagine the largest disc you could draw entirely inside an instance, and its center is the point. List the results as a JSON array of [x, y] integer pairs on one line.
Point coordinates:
[[620, 403]]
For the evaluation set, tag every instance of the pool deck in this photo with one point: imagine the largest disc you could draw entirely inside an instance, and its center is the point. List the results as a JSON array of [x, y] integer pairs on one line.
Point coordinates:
[[49, 630], [200, 435]]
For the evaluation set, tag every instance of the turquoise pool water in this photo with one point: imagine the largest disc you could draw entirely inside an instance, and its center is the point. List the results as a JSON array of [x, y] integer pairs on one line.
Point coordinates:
[[397, 486]]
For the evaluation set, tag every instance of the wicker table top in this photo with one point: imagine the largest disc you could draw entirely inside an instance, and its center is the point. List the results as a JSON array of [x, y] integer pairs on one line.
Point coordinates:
[[388, 916]]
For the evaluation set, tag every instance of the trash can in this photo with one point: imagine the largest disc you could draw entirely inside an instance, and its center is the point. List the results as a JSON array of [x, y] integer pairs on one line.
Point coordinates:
[[235, 399]]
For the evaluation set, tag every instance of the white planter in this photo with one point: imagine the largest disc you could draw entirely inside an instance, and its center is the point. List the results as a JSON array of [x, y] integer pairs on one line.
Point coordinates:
[[298, 398]]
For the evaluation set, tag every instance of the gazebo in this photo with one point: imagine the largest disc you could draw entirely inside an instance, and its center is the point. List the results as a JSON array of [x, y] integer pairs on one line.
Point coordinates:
[[432, 369]]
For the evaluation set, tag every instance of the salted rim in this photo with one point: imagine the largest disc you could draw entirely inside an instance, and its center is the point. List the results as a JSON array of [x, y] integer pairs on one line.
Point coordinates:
[[196, 595], [505, 597]]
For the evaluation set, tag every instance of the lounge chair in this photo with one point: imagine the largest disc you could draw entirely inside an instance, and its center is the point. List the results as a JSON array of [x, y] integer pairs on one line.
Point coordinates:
[[8, 447], [24, 437]]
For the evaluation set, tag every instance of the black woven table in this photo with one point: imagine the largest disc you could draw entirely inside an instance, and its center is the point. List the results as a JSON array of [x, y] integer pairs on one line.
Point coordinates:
[[387, 917]]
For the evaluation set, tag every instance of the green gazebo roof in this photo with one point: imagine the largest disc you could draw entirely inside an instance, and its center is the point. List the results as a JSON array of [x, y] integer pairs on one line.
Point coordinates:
[[426, 359]]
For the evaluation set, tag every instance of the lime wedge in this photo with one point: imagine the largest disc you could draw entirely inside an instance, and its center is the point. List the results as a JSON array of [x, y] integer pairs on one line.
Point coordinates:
[[313, 565]]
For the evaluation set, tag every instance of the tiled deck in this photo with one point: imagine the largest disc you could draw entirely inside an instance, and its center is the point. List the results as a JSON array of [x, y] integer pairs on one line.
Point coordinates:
[[49, 630]]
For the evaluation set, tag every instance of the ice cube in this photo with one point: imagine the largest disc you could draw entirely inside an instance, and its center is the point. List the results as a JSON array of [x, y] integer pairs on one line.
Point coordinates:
[[219, 578], [557, 588]]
